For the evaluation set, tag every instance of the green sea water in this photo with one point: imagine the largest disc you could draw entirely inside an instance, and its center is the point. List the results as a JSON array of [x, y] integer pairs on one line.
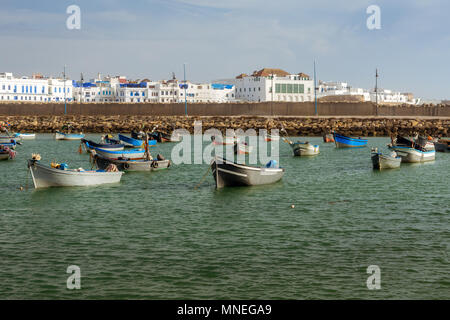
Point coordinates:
[[154, 236]]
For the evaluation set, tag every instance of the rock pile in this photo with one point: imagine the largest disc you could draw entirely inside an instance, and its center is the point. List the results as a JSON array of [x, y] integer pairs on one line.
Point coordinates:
[[364, 127]]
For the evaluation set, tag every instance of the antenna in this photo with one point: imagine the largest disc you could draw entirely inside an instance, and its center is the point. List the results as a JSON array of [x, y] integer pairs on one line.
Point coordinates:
[[376, 91]]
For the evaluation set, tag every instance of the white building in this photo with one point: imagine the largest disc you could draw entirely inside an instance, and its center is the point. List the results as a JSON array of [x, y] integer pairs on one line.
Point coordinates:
[[174, 91], [23, 89], [273, 85], [340, 88], [60, 89], [118, 89], [392, 97], [384, 95], [35, 89]]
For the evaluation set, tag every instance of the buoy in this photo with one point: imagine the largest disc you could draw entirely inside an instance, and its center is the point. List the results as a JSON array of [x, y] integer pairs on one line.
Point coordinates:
[[292, 206], [21, 188]]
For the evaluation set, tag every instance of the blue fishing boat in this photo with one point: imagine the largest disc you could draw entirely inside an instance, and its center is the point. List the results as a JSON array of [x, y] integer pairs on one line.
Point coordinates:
[[68, 136], [110, 139], [348, 142], [11, 144], [124, 154], [134, 143], [89, 144]]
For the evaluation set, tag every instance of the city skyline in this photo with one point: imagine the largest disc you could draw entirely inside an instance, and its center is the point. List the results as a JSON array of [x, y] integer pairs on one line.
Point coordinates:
[[152, 39]]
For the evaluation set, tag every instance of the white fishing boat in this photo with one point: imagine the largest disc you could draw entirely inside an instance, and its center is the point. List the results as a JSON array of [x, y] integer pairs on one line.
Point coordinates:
[[413, 155], [68, 136], [413, 149], [60, 176], [25, 136], [305, 149], [229, 174], [381, 161], [6, 153]]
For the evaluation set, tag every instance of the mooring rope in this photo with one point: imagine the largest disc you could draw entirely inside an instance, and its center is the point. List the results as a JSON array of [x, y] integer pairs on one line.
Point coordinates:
[[203, 178]]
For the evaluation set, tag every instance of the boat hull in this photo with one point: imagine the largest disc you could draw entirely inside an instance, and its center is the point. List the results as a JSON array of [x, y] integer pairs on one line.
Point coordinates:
[[45, 177], [380, 162], [305, 149], [328, 138], [442, 146], [411, 155], [90, 145], [133, 143], [68, 136], [128, 154], [164, 137], [9, 145], [230, 174], [348, 142], [133, 165], [4, 156], [4, 139], [26, 136]]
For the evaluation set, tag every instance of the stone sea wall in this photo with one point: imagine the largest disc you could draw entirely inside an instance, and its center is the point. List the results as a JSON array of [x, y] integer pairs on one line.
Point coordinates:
[[358, 126]]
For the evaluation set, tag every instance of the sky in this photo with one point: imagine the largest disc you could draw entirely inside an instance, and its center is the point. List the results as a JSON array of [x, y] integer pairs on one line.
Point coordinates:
[[221, 39]]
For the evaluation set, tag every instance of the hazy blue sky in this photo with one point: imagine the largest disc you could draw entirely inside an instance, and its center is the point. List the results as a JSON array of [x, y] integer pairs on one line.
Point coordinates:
[[220, 39]]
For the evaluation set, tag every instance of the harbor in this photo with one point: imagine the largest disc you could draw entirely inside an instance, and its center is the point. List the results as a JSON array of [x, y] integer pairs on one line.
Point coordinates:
[[328, 215]]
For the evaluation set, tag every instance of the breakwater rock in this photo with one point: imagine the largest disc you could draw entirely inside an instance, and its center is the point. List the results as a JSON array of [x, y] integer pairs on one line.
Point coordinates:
[[304, 126]]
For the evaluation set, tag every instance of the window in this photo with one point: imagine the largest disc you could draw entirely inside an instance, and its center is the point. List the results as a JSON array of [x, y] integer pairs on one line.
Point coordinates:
[[289, 88]]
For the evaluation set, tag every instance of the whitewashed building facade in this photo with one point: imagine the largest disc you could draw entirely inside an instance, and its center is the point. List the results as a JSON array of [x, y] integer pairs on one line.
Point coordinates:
[[35, 89], [384, 95], [273, 85]]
